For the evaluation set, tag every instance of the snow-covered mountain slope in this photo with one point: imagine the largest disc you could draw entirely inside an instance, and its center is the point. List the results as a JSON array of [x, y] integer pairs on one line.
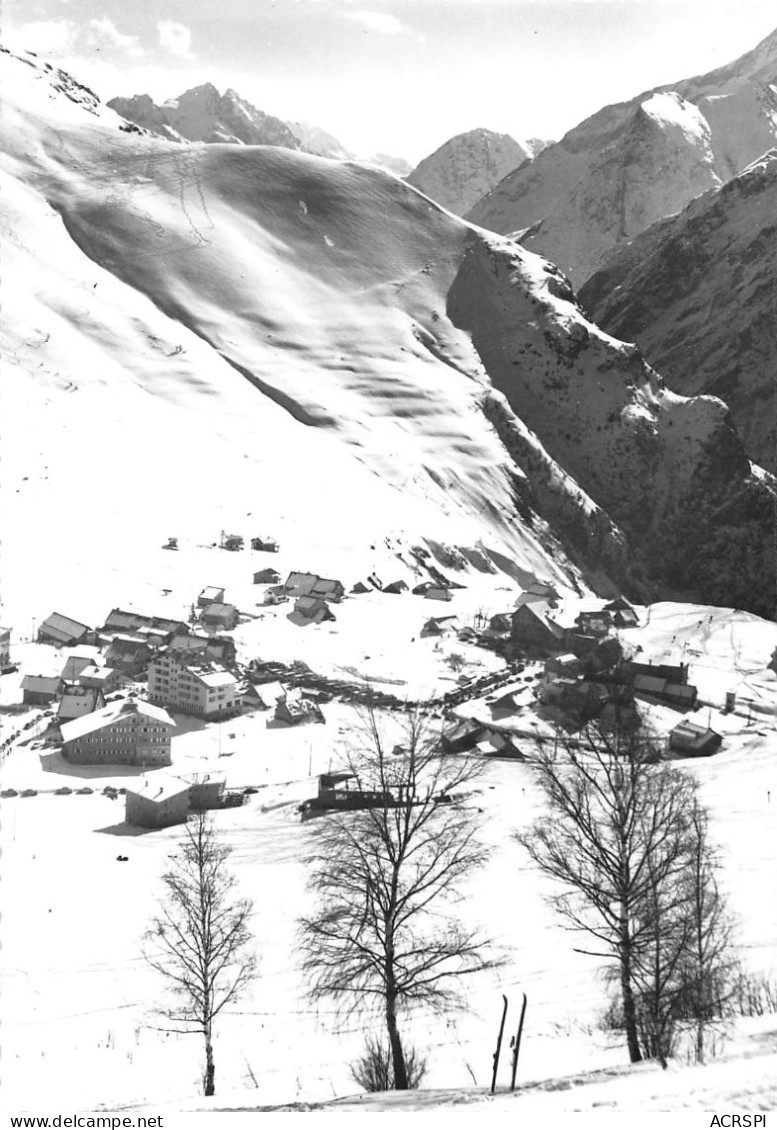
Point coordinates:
[[633, 163], [205, 332], [698, 292], [315, 140], [468, 166], [203, 114]]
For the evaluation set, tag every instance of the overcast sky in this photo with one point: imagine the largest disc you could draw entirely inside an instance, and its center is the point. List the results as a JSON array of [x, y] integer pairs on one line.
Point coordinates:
[[398, 76]]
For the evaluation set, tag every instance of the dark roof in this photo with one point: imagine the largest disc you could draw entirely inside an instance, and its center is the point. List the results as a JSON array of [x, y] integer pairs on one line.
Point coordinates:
[[119, 619], [41, 684], [62, 627]]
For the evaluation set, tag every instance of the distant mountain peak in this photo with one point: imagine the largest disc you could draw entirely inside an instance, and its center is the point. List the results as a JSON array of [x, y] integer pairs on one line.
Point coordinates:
[[468, 165]]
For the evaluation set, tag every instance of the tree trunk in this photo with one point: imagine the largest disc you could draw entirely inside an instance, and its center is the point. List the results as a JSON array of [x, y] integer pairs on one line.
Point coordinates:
[[397, 1054], [210, 1067], [627, 994]]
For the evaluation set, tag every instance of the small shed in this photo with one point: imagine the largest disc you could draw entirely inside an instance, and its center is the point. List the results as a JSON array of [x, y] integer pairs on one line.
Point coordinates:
[[157, 802], [267, 577], [313, 608], [697, 741], [265, 544], [396, 587]]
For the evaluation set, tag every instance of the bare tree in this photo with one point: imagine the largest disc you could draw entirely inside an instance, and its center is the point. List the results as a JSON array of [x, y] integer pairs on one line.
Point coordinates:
[[709, 971], [383, 935], [201, 938], [615, 840]]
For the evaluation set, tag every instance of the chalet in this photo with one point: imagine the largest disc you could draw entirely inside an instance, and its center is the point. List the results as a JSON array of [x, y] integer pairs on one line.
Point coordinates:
[[5, 648], [232, 542], [62, 631], [158, 802], [440, 626], [573, 696], [210, 595], [77, 662], [698, 741], [132, 623], [680, 695], [106, 679], [210, 649], [396, 587], [293, 710], [310, 584], [267, 577], [313, 608], [462, 736], [220, 616], [594, 623], [624, 615], [40, 690], [119, 621], [184, 682], [123, 733], [77, 701], [265, 544], [128, 654], [533, 629], [538, 592], [567, 664], [272, 596]]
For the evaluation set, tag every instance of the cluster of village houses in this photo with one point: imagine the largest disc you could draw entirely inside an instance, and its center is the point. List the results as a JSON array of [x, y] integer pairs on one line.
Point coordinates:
[[191, 668]]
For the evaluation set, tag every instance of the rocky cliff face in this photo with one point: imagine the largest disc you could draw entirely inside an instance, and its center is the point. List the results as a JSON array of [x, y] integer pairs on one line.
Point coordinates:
[[633, 163], [698, 293], [462, 170]]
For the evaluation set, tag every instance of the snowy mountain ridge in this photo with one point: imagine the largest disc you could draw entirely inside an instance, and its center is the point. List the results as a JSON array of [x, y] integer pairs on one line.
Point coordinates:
[[440, 377], [202, 114], [667, 287], [633, 163]]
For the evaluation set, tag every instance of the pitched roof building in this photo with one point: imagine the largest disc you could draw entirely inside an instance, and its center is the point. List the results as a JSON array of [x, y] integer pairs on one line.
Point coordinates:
[[40, 690], [123, 733], [157, 802], [78, 700], [62, 631]]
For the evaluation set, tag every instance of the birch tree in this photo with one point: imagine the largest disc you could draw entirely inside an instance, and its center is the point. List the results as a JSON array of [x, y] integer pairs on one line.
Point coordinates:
[[201, 940]]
